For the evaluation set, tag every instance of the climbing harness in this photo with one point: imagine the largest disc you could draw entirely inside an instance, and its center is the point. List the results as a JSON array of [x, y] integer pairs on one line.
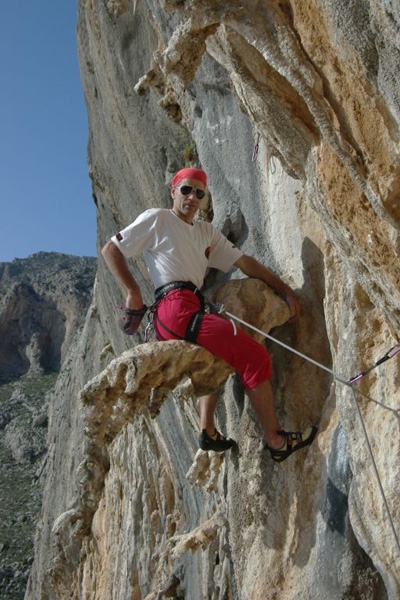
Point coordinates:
[[192, 329], [195, 321], [350, 383]]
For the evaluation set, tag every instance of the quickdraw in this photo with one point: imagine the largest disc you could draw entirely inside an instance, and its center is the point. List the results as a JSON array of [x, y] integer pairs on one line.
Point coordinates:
[[389, 354]]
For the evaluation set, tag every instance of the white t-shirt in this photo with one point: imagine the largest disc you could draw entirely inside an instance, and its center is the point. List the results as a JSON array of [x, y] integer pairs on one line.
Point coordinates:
[[174, 250]]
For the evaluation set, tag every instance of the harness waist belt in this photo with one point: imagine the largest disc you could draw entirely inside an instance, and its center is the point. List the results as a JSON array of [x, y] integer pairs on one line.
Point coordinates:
[[175, 285]]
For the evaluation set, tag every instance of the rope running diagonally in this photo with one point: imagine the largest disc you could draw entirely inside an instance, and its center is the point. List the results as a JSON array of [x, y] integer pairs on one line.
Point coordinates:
[[350, 383]]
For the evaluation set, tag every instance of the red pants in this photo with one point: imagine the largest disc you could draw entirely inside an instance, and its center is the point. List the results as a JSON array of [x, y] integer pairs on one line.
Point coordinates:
[[249, 358]]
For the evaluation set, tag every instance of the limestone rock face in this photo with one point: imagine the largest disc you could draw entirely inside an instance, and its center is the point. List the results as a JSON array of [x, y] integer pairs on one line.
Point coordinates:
[[293, 109]]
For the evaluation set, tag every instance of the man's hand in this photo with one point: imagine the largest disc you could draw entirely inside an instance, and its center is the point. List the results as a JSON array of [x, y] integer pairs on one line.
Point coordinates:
[[294, 306]]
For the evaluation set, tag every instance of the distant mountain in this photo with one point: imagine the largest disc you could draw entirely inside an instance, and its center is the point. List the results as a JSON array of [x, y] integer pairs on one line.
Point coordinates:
[[43, 299]]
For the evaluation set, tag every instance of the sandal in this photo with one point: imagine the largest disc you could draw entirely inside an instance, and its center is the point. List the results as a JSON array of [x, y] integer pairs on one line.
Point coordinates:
[[217, 442], [294, 441]]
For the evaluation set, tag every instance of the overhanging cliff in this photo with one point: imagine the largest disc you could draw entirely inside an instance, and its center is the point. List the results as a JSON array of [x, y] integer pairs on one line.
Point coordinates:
[[133, 511]]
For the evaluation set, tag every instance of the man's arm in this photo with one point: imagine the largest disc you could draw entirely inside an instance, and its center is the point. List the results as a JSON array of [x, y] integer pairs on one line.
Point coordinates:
[[118, 266], [252, 268]]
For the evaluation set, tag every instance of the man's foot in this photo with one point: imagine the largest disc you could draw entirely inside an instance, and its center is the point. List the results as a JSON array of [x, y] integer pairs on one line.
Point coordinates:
[[215, 442], [294, 440]]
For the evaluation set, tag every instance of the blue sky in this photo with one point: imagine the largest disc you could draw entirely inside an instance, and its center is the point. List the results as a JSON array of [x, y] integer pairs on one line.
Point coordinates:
[[46, 199]]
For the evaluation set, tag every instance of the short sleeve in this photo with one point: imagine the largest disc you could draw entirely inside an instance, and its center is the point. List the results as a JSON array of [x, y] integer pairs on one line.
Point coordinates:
[[137, 236], [223, 254]]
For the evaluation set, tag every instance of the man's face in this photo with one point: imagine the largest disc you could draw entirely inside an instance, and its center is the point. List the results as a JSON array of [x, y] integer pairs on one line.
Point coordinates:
[[186, 206]]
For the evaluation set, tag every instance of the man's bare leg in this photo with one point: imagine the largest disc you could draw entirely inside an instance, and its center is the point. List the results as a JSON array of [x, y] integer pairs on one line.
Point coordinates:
[[262, 400], [210, 438], [208, 405]]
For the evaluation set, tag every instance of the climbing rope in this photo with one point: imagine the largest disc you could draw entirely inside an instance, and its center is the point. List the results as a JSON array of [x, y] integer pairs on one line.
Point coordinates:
[[376, 471], [350, 383]]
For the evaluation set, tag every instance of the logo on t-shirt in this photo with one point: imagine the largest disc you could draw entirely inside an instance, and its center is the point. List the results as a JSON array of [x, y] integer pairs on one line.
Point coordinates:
[[207, 252], [119, 236]]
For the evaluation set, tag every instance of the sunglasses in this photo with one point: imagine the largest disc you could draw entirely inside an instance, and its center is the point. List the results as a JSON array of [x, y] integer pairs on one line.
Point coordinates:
[[185, 190]]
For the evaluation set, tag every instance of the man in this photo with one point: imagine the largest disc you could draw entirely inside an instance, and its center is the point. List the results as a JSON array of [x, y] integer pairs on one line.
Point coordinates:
[[178, 250]]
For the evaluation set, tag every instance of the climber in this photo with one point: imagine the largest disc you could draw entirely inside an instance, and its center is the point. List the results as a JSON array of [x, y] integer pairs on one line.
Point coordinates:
[[178, 250]]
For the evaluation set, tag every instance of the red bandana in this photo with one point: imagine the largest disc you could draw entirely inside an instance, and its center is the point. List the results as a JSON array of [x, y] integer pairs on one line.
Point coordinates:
[[189, 173]]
